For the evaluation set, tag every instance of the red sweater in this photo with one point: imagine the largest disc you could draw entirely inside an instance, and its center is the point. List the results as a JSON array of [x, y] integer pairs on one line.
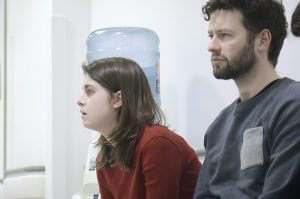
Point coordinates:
[[165, 167]]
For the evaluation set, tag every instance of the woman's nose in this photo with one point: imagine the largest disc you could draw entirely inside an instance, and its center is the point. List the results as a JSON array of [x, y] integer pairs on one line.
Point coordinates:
[[80, 102]]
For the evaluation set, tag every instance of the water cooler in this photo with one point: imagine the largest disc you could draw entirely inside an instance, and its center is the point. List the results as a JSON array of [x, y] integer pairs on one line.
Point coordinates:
[[138, 44]]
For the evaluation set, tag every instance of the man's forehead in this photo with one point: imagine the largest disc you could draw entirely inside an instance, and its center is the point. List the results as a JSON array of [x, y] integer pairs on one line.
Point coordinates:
[[225, 19]]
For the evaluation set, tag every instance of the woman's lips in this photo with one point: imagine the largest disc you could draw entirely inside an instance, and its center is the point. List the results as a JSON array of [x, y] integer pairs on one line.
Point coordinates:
[[83, 114]]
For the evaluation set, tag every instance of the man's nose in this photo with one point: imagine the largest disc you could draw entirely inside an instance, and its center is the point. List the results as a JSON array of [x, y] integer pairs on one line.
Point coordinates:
[[213, 46]]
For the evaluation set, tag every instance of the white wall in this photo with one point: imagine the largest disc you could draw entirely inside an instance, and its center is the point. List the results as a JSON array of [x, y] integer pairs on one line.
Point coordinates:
[[28, 68], [71, 26], [1, 90], [46, 46]]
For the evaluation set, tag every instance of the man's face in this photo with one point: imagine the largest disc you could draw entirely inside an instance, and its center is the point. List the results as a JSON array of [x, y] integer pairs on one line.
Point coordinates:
[[232, 52]]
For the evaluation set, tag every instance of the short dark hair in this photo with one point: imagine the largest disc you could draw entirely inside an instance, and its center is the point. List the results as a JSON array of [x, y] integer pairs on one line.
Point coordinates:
[[257, 15], [138, 108], [295, 24]]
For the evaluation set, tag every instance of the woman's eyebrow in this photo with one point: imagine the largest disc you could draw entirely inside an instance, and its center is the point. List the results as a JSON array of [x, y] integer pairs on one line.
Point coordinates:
[[86, 86]]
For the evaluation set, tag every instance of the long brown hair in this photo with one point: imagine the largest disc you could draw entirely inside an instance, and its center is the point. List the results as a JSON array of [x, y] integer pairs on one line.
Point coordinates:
[[138, 109]]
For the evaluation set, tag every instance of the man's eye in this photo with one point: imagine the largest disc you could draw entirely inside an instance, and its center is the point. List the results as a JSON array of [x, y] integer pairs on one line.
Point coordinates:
[[224, 35], [210, 36]]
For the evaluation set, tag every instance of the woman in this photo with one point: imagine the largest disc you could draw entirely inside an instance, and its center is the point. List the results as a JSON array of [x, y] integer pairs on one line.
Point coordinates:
[[139, 157]]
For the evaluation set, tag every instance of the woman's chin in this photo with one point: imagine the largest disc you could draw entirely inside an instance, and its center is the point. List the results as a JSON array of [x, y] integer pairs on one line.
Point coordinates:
[[86, 125]]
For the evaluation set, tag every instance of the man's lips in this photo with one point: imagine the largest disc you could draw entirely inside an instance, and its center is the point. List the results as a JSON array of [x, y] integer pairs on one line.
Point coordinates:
[[217, 60]]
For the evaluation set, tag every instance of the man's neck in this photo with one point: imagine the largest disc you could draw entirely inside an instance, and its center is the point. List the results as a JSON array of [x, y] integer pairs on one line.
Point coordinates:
[[255, 80]]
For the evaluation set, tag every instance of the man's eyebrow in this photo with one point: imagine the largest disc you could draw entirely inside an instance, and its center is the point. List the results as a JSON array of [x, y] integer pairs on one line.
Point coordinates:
[[220, 30]]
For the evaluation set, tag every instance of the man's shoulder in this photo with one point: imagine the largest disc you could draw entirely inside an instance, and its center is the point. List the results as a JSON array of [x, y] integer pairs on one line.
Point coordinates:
[[287, 91], [227, 111], [222, 118], [293, 88]]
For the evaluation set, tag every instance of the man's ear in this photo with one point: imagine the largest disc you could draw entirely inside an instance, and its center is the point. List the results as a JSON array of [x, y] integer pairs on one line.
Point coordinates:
[[117, 99], [264, 40]]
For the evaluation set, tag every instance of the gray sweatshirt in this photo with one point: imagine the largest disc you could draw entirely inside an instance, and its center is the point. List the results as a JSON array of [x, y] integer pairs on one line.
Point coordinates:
[[253, 147]]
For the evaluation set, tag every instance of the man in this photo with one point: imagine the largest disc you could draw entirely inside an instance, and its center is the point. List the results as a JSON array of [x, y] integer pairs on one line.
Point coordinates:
[[295, 24], [253, 146]]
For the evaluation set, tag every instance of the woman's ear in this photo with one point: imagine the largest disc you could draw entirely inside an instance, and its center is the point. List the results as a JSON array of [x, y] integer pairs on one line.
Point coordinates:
[[117, 99]]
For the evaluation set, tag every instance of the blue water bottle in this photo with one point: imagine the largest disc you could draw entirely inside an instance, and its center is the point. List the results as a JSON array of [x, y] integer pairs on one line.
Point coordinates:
[[138, 44]]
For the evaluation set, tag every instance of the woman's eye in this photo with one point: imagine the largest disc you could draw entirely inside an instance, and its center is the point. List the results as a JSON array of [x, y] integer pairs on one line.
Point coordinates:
[[89, 92]]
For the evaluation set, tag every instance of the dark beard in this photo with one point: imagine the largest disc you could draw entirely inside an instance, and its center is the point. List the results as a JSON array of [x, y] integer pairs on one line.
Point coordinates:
[[238, 65]]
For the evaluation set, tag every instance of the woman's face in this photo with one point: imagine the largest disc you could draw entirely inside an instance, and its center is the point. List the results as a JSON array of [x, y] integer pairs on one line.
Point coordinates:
[[97, 107]]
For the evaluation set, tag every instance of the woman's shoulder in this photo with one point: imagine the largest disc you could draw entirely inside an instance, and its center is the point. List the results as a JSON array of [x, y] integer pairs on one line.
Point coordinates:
[[157, 131], [156, 134], [159, 140]]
